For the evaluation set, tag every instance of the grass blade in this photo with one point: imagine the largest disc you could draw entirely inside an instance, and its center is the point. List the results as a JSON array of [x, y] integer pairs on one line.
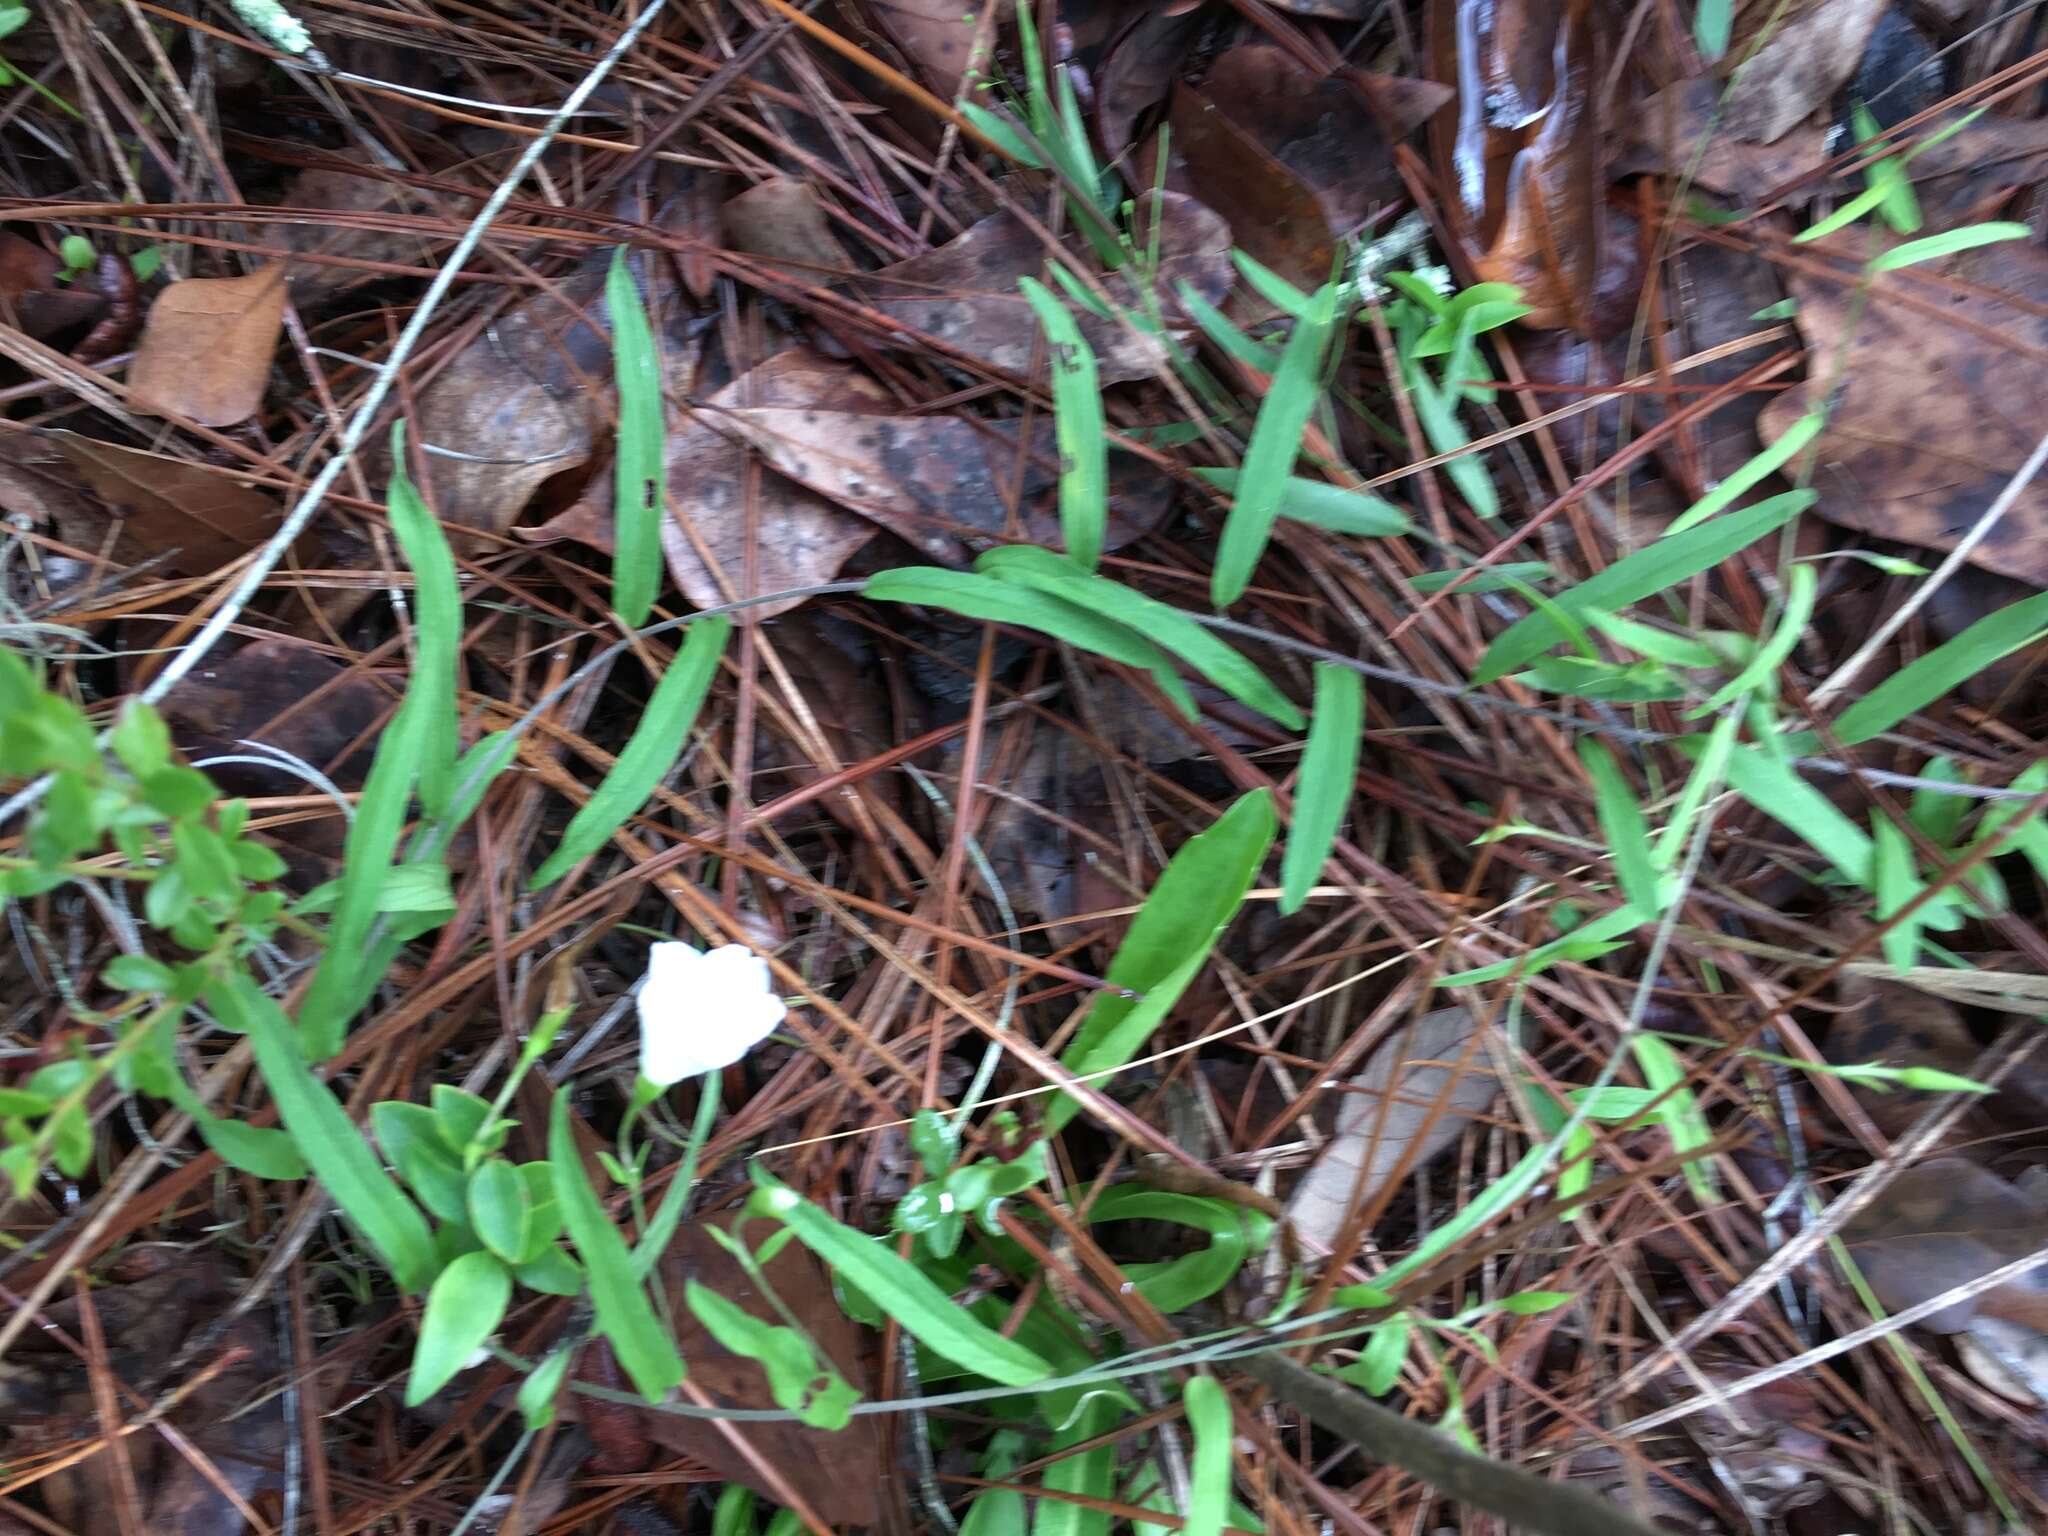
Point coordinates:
[[1635, 577], [1936, 246], [624, 1314], [976, 596], [639, 463], [1801, 587], [1077, 426], [1769, 783], [437, 617], [1892, 871], [1198, 893], [1331, 507], [329, 1141], [1329, 765], [1922, 681], [899, 1287], [1043, 571], [1208, 1409], [1269, 456], [649, 754], [1623, 826], [1773, 458]]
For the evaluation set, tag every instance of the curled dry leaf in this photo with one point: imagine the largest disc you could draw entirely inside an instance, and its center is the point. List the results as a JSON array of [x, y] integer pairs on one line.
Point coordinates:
[[206, 347], [1812, 50], [1139, 72], [964, 294], [1381, 1124], [1935, 410]]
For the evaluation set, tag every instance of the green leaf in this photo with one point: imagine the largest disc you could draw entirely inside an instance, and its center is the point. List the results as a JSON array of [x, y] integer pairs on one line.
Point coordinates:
[[552, 1273], [464, 1307], [1002, 132], [1622, 826], [141, 740], [538, 1392], [648, 755], [1740, 481], [639, 463], [262, 1151], [1322, 505], [1706, 779], [75, 251], [1509, 576], [1329, 765], [1169, 940], [1437, 414], [1947, 244], [1041, 569], [1801, 587], [137, 973], [930, 1316], [1077, 424], [1863, 202], [1208, 1410], [501, 1209], [1269, 456], [1897, 884], [1379, 1362], [1236, 1236], [1920, 682], [1774, 787], [624, 1315], [812, 1390], [437, 620], [476, 770], [178, 791], [1090, 1474], [1677, 1109], [1002, 602], [1639, 575], [935, 1139], [1227, 337], [1272, 287], [328, 1140], [1713, 22], [1583, 943]]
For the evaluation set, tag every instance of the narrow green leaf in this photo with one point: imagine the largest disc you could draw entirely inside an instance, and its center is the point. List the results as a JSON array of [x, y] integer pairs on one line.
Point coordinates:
[[1648, 640], [1077, 425], [1379, 1363], [1330, 507], [1165, 625], [1863, 202], [1947, 244], [1169, 940], [1920, 682], [1713, 22], [1271, 286], [537, 1393], [1225, 334], [639, 462], [1208, 1410], [464, 1307], [1597, 937], [1639, 575], [1506, 577], [1002, 132], [1275, 442], [1436, 411], [1623, 826], [651, 751], [329, 1141], [624, 1315], [1897, 884], [1236, 1235], [932, 1317], [1329, 765], [1743, 479], [984, 597], [1090, 1474], [437, 628], [1774, 787], [1677, 1109], [476, 771], [1706, 779], [1801, 587]]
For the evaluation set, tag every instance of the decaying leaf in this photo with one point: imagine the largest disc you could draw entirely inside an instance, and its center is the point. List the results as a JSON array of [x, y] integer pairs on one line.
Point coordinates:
[[1942, 1223], [781, 219], [325, 191], [1139, 71], [938, 35], [31, 298], [1813, 48], [286, 694], [206, 347], [964, 294], [841, 1475], [1527, 156], [1381, 1123], [1678, 131], [797, 538], [1933, 416], [1276, 216]]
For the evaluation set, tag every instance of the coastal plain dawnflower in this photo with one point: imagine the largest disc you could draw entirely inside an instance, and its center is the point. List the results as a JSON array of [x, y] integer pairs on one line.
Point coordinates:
[[703, 1010]]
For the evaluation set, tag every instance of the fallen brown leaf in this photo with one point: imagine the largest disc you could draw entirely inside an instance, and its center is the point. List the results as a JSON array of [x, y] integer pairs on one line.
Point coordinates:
[[938, 36], [1276, 216], [1678, 132], [361, 200], [1813, 48], [1942, 1223], [206, 347], [31, 298], [782, 220], [1933, 417], [965, 295], [1380, 1123]]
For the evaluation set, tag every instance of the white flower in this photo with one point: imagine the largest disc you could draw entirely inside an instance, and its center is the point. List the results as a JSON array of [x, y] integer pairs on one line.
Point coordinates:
[[700, 1012]]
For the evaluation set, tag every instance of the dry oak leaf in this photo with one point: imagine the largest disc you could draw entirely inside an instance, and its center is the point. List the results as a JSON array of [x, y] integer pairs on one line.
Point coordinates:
[[781, 219], [1943, 1223], [1808, 57], [1381, 1125], [938, 36], [206, 348], [964, 294], [1934, 417]]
